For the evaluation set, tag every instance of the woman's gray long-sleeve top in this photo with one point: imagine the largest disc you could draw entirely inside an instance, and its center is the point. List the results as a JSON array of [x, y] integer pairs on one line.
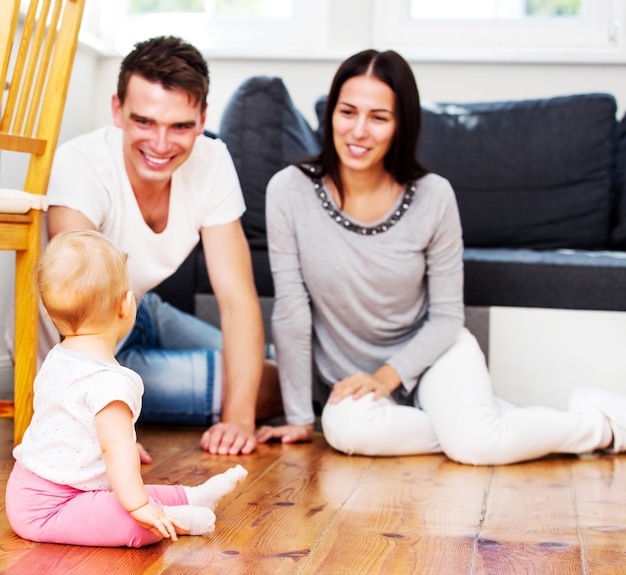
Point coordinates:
[[349, 301]]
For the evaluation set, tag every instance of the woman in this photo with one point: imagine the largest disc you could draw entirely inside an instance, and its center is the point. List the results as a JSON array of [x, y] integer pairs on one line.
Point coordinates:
[[367, 257]]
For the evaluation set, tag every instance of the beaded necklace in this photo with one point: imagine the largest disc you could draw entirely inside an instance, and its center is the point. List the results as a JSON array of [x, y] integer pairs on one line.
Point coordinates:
[[348, 224]]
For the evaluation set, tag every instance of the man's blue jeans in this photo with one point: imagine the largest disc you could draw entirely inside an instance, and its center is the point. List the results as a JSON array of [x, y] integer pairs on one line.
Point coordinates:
[[178, 357]]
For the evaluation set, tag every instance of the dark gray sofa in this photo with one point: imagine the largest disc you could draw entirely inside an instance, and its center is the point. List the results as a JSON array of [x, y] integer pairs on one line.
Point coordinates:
[[540, 186]]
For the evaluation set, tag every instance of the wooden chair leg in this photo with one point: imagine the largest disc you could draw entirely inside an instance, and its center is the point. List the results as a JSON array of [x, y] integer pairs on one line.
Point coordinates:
[[26, 331]]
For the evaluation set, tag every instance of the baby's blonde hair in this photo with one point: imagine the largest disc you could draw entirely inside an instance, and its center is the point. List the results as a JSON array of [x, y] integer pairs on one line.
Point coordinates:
[[81, 277]]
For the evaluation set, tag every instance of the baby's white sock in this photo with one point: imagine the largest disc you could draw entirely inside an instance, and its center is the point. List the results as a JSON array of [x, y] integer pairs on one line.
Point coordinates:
[[213, 489], [200, 520]]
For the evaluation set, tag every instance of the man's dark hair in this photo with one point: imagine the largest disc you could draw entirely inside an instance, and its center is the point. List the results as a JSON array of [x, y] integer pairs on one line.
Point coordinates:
[[169, 61]]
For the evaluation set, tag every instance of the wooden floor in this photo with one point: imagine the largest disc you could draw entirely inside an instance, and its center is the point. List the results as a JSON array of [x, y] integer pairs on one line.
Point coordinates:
[[306, 509]]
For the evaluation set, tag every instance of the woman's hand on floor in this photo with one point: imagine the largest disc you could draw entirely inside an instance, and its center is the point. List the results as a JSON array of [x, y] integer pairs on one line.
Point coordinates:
[[285, 433]]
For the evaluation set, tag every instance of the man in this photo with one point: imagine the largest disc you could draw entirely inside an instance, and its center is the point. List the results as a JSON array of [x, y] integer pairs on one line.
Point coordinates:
[[154, 184]]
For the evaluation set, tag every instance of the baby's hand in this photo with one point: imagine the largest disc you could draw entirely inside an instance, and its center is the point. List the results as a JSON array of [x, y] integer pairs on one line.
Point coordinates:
[[151, 517]]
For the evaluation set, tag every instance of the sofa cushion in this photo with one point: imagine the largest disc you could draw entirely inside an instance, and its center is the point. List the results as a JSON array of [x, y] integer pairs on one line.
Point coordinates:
[[264, 133], [561, 279], [529, 173], [320, 108]]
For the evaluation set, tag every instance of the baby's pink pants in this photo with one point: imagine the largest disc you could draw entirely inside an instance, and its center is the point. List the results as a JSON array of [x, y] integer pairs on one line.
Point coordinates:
[[40, 510]]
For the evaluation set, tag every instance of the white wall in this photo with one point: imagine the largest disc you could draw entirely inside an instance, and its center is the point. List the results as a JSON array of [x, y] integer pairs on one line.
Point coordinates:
[[536, 355]]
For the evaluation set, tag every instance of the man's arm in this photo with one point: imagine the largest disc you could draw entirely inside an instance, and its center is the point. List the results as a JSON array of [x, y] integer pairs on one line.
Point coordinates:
[[230, 270], [61, 218]]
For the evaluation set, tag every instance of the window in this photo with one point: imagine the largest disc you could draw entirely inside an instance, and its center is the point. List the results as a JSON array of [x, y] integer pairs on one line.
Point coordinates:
[[501, 29], [236, 8], [495, 9], [249, 26], [457, 30]]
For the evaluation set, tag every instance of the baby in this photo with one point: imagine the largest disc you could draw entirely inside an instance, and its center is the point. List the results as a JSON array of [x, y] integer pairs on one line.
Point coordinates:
[[77, 477]]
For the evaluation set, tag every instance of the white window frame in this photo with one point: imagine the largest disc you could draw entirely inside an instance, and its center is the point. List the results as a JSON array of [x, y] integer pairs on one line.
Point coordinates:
[[304, 32], [597, 36]]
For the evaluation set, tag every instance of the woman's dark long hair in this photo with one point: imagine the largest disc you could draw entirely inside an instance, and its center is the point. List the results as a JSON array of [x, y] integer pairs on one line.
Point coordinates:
[[392, 69]]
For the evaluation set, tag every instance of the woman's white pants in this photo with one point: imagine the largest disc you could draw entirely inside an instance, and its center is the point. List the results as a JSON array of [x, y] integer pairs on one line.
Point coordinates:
[[459, 416]]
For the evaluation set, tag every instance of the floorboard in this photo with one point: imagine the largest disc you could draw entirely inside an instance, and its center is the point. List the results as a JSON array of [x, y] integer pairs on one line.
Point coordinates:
[[530, 521], [306, 509]]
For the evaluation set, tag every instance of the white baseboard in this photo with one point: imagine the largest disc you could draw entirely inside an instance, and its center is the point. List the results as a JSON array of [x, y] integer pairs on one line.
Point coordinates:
[[6, 377]]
